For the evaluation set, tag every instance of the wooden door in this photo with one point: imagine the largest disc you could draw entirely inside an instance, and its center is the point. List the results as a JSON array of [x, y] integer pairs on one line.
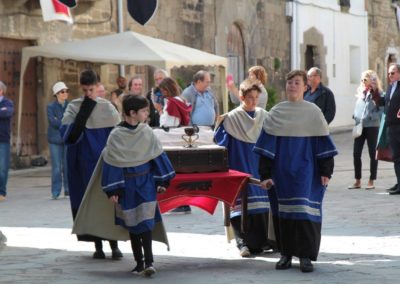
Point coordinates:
[[10, 72]]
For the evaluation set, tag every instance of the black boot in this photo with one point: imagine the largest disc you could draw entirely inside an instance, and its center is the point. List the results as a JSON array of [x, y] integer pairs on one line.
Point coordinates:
[[115, 252], [285, 262], [99, 253], [306, 265]]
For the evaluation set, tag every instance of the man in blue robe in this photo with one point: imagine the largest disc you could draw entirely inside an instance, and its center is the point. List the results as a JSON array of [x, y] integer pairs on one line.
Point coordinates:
[[86, 124], [296, 163], [238, 132]]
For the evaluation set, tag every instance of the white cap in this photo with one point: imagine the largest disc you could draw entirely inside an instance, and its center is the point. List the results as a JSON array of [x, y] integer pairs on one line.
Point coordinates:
[[58, 87]]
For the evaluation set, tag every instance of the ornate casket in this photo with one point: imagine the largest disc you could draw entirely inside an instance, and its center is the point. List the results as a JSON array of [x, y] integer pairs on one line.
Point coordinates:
[[204, 156]]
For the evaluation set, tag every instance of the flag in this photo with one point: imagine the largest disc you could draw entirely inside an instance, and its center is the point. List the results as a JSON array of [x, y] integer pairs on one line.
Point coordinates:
[[53, 10], [69, 3], [142, 10]]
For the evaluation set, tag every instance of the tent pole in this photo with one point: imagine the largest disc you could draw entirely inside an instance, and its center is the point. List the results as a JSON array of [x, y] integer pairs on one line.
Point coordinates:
[[120, 30]]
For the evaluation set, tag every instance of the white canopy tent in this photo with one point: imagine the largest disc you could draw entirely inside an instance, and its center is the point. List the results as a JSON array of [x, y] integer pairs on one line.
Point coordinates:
[[127, 48]]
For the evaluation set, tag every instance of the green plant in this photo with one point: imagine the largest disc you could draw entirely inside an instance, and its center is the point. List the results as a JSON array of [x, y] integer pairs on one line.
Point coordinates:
[[271, 98], [277, 64], [181, 83]]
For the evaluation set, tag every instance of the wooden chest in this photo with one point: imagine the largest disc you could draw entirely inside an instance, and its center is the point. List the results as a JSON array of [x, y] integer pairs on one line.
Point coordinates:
[[204, 158]]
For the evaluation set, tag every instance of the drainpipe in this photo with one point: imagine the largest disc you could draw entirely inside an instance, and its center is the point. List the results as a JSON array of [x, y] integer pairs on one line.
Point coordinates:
[[291, 13], [120, 16]]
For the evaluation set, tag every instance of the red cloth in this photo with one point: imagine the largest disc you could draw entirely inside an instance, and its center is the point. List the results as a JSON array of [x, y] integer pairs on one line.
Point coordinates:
[[202, 190], [179, 109]]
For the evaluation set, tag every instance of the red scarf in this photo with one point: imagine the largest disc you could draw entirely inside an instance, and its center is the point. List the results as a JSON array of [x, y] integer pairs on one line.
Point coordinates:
[[179, 109]]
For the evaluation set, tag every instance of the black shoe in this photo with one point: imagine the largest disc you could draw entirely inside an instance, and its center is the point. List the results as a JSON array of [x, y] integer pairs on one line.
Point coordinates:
[[99, 254], [182, 209], [138, 270], [393, 188], [306, 265], [284, 263], [394, 192], [116, 254]]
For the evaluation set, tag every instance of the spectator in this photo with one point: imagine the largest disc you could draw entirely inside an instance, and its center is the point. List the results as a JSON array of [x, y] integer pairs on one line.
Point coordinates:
[[116, 95], [136, 88], [201, 98], [255, 73], [86, 124], [176, 111], [296, 163], [367, 112], [156, 98], [320, 95], [6, 112], [55, 112], [101, 91], [392, 111]]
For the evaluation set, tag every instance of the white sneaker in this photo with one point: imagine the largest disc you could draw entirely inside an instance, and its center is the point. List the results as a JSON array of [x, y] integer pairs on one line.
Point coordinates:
[[245, 252], [149, 270]]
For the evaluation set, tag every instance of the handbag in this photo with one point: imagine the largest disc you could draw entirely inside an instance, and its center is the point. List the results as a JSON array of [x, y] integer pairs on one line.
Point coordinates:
[[384, 154], [357, 129]]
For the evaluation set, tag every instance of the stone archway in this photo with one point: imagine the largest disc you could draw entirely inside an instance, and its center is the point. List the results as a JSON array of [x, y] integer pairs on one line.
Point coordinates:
[[313, 52]]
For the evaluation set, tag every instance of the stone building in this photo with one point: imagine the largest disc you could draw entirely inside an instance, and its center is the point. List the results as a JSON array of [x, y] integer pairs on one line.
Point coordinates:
[[247, 32], [383, 31]]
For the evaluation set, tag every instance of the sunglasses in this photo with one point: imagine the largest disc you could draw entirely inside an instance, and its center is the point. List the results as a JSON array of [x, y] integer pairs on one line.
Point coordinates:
[[391, 73], [64, 91]]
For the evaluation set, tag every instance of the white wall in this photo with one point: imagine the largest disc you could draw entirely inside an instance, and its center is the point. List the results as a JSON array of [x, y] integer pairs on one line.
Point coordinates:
[[346, 40]]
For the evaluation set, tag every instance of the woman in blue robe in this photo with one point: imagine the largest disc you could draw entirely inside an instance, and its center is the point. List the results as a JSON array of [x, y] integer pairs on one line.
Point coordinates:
[[296, 163], [135, 167], [86, 125], [238, 132]]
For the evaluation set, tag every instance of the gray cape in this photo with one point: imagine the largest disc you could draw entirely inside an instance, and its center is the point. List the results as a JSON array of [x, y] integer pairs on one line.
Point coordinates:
[[242, 126], [296, 119], [96, 214]]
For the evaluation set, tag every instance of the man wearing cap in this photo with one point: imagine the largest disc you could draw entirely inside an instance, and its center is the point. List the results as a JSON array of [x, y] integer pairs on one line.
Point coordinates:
[[85, 127], [6, 112], [55, 112]]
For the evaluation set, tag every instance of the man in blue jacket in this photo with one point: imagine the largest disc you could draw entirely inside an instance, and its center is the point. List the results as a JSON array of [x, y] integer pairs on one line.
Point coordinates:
[[55, 112], [6, 112]]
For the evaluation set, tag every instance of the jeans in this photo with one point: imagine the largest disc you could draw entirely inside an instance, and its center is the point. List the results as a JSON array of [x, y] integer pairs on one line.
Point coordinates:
[[4, 166], [371, 135], [58, 169]]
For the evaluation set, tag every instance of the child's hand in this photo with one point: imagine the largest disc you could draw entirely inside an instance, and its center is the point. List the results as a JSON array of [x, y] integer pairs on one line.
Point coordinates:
[[114, 199], [161, 189], [267, 184]]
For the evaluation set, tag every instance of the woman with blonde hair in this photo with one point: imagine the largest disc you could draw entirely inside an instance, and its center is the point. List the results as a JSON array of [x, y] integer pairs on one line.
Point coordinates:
[[368, 112], [256, 73]]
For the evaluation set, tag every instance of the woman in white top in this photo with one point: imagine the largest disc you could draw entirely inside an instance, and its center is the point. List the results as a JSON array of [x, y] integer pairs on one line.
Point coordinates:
[[176, 111]]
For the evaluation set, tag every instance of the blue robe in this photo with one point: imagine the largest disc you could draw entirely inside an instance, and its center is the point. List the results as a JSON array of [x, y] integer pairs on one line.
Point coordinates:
[[137, 210], [242, 158], [82, 157], [296, 198]]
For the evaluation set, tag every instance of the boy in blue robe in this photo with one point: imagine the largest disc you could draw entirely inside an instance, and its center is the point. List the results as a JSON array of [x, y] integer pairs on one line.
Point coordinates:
[[297, 161], [135, 168], [238, 132], [86, 124]]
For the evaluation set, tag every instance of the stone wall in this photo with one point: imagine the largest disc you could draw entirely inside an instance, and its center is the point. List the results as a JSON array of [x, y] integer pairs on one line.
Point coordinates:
[[383, 35], [202, 24]]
